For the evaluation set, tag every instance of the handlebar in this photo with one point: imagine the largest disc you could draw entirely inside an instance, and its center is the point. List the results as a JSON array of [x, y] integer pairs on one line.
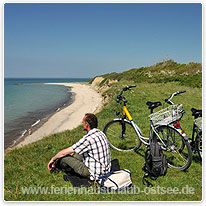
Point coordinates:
[[120, 97], [179, 92], [128, 87], [172, 95]]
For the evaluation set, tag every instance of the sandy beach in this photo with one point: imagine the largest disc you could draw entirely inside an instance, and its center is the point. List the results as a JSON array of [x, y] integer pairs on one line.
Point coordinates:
[[87, 100]]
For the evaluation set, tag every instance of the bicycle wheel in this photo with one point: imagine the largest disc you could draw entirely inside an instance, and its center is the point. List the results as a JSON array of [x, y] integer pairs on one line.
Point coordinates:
[[177, 149], [121, 135], [198, 142]]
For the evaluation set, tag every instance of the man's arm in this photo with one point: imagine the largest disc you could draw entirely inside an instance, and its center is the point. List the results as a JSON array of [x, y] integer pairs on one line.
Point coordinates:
[[64, 152]]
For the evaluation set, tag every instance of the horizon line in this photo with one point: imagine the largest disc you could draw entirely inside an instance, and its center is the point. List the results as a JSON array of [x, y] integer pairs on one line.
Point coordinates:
[[48, 77]]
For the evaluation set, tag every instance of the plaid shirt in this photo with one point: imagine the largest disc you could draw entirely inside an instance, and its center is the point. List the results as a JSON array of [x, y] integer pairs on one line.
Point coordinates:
[[95, 151]]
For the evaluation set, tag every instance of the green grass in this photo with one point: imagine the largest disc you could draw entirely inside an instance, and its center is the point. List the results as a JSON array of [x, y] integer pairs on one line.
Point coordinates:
[[27, 166], [163, 72]]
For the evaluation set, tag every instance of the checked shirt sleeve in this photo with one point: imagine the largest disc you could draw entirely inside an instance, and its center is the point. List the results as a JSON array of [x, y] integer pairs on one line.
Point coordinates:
[[81, 146]]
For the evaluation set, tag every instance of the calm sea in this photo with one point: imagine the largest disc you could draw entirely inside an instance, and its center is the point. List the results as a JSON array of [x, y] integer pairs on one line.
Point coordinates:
[[27, 104]]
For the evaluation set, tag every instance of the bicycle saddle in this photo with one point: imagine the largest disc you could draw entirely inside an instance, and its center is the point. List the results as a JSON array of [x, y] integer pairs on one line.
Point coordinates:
[[153, 105], [196, 112]]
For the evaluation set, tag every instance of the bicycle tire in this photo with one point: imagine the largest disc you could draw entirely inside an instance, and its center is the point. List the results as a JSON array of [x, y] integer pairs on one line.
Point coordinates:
[[127, 141], [198, 142], [178, 149]]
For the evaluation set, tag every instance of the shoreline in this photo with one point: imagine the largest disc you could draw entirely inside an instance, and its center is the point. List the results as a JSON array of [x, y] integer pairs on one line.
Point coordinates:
[[33, 121], [86, 100]]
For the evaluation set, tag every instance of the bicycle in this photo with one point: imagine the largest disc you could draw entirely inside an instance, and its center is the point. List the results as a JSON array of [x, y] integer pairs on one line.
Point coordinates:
[[196, 140], [124, 135]]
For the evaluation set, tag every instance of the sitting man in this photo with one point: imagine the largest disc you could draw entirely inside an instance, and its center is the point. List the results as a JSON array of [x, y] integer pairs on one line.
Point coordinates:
[[90, 156]]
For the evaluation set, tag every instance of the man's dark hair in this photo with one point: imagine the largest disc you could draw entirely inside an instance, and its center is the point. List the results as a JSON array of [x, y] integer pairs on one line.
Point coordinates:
[[92, 120]]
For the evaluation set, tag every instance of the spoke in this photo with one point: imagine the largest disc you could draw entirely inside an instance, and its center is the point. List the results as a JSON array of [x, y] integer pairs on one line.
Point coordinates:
[[119, 139], [183, 159], [177, 150], [112, 130]]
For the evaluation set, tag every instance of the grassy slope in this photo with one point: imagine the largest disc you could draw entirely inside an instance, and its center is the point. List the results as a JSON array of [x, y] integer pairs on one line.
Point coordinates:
[[27, 166], [162, 72]]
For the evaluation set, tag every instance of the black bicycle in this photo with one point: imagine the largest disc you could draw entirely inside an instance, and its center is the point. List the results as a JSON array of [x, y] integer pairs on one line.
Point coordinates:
[[196, 140]]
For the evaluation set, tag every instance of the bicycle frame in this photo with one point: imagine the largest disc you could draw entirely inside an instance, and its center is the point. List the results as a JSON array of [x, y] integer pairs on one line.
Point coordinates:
[[194, 131], [126, 112], [138, 131]]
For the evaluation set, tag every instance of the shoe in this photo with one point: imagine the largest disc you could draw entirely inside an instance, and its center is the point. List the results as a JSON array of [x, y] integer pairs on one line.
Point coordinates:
[[55, 170]]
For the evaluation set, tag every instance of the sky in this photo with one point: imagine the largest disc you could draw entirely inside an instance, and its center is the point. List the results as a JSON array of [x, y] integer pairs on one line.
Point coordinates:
[[84, 40]]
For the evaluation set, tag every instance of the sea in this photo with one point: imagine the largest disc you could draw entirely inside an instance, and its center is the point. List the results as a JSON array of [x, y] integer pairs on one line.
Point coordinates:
[[28, 103]]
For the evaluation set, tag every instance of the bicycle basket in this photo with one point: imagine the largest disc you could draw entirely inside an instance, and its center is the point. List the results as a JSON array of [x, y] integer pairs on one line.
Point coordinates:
[[198, 122], [168, 115]]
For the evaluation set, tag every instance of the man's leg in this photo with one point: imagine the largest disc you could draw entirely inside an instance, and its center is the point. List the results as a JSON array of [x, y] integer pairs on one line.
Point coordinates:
[[74, 162]]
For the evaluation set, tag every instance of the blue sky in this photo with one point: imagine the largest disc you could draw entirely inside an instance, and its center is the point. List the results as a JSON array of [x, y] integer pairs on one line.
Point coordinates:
[[86, 40]]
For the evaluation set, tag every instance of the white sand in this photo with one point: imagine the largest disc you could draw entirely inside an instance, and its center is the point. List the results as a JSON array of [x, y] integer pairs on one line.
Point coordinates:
[[87, 100]]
